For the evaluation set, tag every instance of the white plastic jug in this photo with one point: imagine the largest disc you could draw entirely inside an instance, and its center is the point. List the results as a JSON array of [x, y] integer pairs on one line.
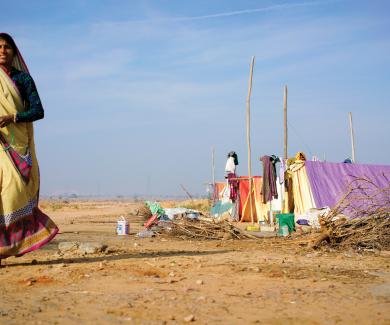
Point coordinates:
[[285, 231], [122, 227]]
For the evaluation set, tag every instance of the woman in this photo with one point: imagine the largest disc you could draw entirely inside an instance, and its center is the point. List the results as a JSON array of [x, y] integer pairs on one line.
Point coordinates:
[[23, 227]]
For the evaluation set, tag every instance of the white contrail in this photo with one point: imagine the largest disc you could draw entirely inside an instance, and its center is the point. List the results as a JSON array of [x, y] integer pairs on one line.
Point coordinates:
[[224, 14], [249, 11]]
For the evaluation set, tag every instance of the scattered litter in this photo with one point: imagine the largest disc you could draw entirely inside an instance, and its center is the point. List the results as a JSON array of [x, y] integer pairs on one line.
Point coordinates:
[[122, 227], [145, 234], [174, 213], [189, 318], [155, 208]]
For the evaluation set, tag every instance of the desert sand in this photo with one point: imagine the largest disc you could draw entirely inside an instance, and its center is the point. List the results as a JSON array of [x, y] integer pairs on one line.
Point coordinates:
[[164, 280]]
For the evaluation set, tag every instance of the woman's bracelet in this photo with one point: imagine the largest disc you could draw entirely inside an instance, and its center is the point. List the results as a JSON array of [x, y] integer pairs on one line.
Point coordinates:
[[15, 117]]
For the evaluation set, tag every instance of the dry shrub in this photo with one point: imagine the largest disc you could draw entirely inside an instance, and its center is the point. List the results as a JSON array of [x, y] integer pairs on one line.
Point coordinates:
[[201, 205], [368, 207], [143, 211], [204, 229]]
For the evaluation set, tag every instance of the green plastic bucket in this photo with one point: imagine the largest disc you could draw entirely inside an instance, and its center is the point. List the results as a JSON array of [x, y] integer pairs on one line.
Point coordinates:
[[286, 219]]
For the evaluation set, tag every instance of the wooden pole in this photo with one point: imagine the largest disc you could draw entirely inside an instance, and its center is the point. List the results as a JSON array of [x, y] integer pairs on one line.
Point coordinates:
[[213, 165], [213, 174], [188, 194], [248, 136], [285, 154], [352, 137]]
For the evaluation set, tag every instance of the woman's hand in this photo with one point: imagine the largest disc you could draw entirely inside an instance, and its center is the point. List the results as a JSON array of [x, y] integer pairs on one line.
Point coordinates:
[[5, 120]]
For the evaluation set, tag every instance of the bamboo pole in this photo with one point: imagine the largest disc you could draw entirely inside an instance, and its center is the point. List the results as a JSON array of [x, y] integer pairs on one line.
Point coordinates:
[[285, 151], [352, 137], [285, 155], [213, 165], [213, 173], [248, 138], [185, 190]]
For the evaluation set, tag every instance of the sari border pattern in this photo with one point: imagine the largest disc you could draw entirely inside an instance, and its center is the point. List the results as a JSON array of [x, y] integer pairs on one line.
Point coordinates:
[[10, 218]]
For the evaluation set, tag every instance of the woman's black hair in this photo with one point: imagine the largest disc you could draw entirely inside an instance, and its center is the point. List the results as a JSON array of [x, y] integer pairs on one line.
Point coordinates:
[[9, 40]]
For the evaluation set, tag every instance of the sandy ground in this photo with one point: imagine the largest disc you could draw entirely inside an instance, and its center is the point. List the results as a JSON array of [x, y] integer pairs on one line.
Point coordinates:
[[172, 281]]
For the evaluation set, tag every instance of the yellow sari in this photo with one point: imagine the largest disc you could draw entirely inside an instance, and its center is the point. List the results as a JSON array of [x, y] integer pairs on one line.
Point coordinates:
[[23, 227]]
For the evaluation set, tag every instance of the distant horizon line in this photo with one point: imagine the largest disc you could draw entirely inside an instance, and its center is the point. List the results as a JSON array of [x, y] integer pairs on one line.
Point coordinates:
[[119, 196]]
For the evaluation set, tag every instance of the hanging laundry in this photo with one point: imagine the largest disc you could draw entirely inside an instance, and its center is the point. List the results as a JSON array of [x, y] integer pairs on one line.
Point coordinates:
[[233, 186], [231, 163], [269, 189], [230, 167], [230, 174]]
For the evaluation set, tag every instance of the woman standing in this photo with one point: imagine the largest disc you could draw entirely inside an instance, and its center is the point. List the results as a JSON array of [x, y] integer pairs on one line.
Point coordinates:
[[23, 227]]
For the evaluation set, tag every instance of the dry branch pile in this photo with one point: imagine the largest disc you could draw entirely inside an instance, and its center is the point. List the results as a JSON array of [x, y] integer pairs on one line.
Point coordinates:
[[204, 229], [368, 223], [144, 211]]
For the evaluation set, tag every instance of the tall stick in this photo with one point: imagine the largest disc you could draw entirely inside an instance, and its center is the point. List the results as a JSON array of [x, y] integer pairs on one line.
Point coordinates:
[[248, 136], [185, 190], [352, 137], [285, 151], [213, 174], [285, 155], [213, 165]]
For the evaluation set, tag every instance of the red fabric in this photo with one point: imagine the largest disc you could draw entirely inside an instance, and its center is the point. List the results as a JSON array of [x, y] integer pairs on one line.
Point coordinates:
[[19, 232], [244, 192], [22, 164], [233, 185], [151, 221]]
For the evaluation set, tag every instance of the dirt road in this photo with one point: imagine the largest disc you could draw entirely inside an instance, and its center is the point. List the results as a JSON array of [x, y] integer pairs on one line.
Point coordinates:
[[172, 281]]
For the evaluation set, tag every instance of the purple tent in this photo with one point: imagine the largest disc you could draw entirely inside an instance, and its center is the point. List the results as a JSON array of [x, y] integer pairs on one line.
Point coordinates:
[[330, 181]]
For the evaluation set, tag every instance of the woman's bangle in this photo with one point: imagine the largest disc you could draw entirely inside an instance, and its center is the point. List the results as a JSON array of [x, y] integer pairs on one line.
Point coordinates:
[[15, 117]]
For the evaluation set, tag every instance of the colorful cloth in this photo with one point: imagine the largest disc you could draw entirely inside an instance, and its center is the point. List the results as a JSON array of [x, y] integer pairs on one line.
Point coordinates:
[[155, 208], [23, 227], [22, 163], [269, 190], [254, 200], [233, 185], [303, 196]]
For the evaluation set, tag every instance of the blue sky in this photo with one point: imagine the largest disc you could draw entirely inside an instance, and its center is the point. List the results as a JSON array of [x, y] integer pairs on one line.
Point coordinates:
[[136, 93]]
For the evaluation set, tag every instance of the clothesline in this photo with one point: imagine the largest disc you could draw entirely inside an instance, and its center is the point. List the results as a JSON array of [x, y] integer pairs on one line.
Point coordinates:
[[242, 178]]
